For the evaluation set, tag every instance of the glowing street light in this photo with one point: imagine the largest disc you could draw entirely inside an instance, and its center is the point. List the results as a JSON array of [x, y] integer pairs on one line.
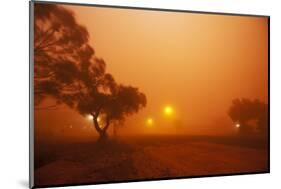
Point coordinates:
[[168, 110], [90, 117], [149, 121], [237, 125]]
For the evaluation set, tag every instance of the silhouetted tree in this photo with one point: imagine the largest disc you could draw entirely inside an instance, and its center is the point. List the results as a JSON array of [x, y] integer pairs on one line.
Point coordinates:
[[243, 111], [65, 68], [108, 103], [60, 49]]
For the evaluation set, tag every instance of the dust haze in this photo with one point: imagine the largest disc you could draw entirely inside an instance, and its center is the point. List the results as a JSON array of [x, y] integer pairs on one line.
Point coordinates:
[[148, 86]]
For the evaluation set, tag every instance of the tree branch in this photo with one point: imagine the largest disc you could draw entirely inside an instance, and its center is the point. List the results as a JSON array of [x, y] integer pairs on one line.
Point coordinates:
[[107, 124], [96, 124], [48, 33]]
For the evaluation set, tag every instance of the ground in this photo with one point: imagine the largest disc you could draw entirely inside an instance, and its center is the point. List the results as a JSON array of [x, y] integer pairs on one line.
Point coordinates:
[[147, 157]]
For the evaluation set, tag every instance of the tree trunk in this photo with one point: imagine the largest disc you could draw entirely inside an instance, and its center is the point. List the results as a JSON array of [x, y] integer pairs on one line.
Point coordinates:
[[101, 131], [103, 136], [96, 124]]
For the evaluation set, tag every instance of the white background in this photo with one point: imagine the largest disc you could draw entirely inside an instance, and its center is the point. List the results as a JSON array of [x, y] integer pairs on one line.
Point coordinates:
[[14, 70]]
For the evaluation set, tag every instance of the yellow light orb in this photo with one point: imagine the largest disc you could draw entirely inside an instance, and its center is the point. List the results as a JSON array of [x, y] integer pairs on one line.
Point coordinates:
[[168, 110], [237, 125], [149, 121], [90, 117]]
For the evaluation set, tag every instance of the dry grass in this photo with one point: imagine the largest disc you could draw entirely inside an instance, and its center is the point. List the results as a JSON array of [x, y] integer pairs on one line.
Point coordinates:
[[146, 158]]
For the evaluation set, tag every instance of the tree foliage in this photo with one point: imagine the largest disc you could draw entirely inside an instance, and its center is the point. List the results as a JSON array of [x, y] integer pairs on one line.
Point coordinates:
[[60, 49], [66, 69], [245, 110]]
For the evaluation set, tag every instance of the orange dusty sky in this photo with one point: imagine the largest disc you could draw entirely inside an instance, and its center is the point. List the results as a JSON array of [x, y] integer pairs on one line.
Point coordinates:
[[197, 63]]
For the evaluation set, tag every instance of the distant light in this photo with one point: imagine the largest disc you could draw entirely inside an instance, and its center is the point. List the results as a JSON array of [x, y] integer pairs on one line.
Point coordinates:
[[237, 125], [168, 110], [149, 121], [90, 117]]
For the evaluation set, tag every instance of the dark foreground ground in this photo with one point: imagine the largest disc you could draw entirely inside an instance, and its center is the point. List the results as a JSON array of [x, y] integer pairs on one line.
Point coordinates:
[[147, 158]]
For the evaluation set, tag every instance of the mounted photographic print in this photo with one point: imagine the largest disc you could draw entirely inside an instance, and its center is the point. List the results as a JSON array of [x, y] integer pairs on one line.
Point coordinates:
[[122, 94]]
